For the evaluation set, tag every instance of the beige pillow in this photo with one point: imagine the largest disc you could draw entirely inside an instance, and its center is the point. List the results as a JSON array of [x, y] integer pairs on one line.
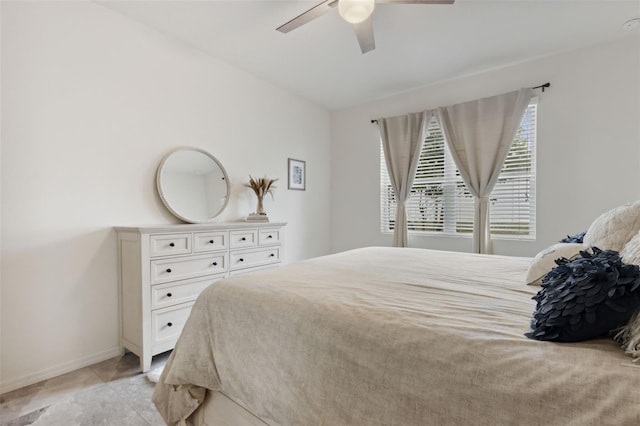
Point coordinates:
[[631, 252], [629, 336], [545, 260], [613, 229]]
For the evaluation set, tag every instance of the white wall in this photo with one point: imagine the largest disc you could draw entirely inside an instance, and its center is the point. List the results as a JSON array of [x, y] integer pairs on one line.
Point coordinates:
[[91, 101], [588, 157]]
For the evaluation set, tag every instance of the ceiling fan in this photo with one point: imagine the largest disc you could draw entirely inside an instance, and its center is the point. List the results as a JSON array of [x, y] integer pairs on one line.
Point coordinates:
[[356, 12]]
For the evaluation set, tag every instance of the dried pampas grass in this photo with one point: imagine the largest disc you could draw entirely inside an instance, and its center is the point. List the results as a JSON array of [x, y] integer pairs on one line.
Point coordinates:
[[261, 186]]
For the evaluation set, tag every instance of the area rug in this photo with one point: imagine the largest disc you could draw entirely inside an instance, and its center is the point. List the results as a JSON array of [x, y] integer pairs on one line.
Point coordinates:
[[154, 375]]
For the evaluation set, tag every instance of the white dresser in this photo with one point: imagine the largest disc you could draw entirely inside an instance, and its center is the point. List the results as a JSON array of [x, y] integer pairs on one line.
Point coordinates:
[[163, 269]]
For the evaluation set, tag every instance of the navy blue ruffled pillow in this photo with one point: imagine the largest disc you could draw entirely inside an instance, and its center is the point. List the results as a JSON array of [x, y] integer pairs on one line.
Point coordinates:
[[585, 297], [578, 238]]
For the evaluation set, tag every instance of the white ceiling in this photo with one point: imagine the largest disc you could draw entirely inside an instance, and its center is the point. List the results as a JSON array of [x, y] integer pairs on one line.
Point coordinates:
[[416, 45]]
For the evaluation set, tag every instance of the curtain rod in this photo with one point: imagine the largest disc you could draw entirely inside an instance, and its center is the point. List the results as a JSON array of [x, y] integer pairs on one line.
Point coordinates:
[[542, 86]]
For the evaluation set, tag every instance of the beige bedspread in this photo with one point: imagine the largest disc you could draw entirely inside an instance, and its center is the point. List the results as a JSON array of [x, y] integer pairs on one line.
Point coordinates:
[[390, 336]]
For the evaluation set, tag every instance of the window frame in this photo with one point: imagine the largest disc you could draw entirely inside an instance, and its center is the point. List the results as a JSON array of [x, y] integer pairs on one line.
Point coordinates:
[[451, 212]]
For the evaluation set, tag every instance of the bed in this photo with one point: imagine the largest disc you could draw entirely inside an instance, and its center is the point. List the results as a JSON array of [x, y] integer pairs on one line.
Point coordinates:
[[389, 336]]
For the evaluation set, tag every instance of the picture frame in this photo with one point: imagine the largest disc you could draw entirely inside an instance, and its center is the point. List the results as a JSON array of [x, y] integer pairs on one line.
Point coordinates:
[[297, 174]]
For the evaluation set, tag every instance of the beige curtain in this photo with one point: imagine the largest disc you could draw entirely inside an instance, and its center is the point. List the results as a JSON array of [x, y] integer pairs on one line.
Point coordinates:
[[402, 139], [479, 134]]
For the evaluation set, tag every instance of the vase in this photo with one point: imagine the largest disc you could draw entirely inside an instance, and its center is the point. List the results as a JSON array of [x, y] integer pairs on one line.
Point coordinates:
[[260, 207]]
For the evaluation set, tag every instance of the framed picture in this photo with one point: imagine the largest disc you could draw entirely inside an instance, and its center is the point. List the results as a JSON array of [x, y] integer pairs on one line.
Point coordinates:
[[297, 174]]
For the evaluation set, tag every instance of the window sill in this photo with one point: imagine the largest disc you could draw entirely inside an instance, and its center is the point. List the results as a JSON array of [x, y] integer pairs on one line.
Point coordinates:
[[465, 236]]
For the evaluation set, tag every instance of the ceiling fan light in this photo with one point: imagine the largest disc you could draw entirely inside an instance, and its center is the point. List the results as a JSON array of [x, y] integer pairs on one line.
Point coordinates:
[[355, 11]]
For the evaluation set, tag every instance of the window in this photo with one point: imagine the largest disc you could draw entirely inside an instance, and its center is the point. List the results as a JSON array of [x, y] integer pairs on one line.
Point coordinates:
[[440, 203]]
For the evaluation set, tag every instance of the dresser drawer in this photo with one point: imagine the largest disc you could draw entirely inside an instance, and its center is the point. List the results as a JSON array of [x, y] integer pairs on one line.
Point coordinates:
[[174, 293], [244, 238], [210, 241], [268, 236], [250, 270], [169, 244], [180, 268], [257, 257], [167, 324]]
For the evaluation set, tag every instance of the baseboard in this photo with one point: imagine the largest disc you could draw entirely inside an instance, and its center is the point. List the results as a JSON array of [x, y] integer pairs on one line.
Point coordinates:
[[58, 370]]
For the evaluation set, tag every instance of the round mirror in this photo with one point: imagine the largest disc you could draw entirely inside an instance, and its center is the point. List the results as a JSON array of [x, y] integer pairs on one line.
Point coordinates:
[[193, 185]]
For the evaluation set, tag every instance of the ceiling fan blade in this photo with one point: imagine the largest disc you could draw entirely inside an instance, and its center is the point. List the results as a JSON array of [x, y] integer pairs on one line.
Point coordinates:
[[415, 1], [364, 32], [308, 16]]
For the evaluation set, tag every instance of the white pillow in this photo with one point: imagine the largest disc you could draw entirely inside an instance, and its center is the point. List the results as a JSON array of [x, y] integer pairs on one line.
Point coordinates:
[[613, 229], [631, 252], [545, 260]]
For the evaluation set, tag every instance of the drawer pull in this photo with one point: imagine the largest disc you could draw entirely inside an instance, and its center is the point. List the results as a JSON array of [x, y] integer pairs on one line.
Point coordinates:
[[169, 271], [211, 241], [243, 239], [169, 294], [241, 260], [215, 263], [169, 324], [271, 255], [270, 236], [172, 244]]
